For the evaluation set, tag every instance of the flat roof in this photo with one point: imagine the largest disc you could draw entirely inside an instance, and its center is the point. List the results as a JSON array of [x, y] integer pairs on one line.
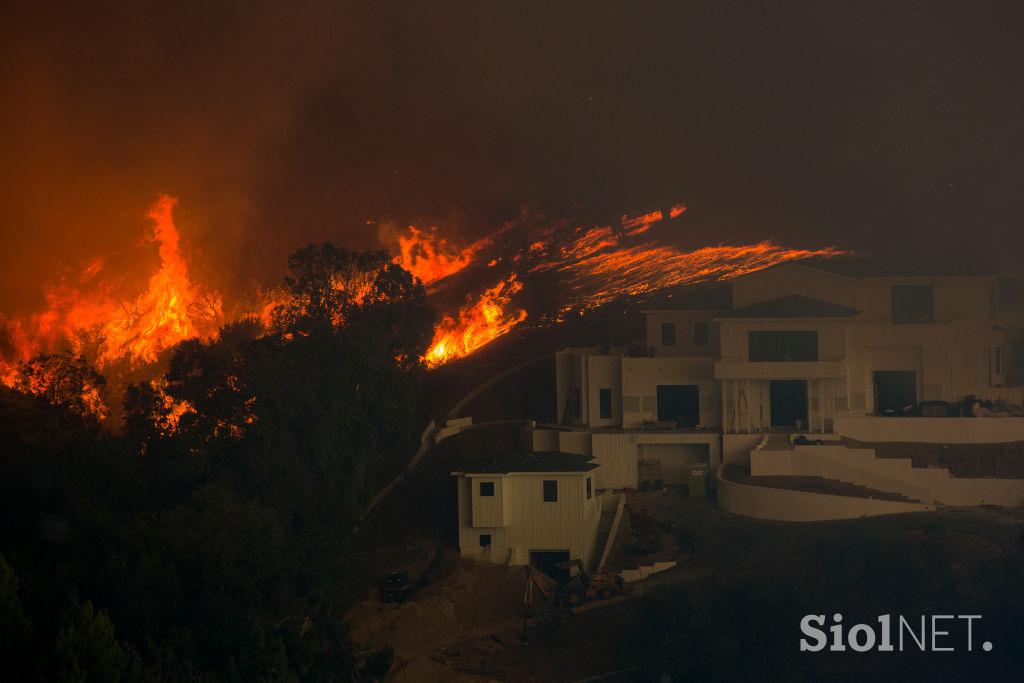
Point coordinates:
[[525, 461]]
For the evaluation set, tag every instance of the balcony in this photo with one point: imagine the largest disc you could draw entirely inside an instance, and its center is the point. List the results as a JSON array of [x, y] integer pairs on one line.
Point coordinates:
[[743, 369]]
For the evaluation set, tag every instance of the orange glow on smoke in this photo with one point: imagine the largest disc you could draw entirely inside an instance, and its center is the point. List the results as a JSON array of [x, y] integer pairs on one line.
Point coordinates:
[[93, 317], [479, 323]]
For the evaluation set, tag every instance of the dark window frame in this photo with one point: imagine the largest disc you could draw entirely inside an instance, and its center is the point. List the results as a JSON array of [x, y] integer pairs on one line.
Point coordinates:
[[783, 346], [485, 540], [590, 488], [913, 304], [550, 490], [668, 333], [490, 488], [604, 403], [575, 400]]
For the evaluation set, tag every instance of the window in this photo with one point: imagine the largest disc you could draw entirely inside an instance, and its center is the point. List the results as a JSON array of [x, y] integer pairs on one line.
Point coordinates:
[[1015, 363], [668, 334], [550, 491], [574, 403], [487, 488], [784, 346], [700, 333], [606, 403], [913, 305], [590, 488], [485, 540], [999, 359]]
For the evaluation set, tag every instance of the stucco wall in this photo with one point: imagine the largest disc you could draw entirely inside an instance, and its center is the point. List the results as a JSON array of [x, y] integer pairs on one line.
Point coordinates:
[[641, 377], [772, 283], [685, 322], [799, 506], [604, 372], [736, 448]]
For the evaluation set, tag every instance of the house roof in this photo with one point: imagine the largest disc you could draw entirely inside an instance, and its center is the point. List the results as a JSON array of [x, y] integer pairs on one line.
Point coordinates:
[[524, 461], [793, 306], [860, 267]]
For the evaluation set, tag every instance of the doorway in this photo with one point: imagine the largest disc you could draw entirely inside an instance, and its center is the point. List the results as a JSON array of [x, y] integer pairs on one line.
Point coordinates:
[[789, 402], [895, 392], [679, 403], [547, 561]]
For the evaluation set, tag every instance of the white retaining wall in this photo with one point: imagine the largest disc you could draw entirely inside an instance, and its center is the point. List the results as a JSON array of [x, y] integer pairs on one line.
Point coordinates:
[[800, 506]]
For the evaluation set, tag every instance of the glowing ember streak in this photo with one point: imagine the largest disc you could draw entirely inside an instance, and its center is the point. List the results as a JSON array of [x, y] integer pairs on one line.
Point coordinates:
[[595, 279], [641, 224], [92, 319], [479, 323]]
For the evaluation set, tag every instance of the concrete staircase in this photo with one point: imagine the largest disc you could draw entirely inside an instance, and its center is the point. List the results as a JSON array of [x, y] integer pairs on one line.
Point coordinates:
[[857, 466], [607, 527], [604, 528]]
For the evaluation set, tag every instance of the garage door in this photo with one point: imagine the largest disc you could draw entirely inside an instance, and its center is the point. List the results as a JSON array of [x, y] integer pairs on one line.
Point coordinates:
[[675, 459]]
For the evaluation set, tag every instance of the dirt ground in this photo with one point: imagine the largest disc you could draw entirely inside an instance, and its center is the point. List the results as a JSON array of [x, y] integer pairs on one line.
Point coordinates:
[[728, 547], [1005, 460]]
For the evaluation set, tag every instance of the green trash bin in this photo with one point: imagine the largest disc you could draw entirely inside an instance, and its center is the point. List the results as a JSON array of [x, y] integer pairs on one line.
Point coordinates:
[[698, 481]]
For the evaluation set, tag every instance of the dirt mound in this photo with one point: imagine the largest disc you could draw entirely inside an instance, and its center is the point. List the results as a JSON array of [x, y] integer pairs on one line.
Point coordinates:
[[471, 595], [483, 593], [405, 627], [425, 669]]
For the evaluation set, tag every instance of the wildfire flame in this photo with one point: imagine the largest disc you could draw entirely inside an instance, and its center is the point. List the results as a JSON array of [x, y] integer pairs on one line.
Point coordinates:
[[479, 322], [429, 256], [92, 317]]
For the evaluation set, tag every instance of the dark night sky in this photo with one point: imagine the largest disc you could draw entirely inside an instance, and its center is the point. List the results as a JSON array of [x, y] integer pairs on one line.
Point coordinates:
[[876, 127]]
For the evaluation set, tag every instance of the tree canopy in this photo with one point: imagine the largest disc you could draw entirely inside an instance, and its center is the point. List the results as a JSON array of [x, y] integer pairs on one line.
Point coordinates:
[[212, 538]]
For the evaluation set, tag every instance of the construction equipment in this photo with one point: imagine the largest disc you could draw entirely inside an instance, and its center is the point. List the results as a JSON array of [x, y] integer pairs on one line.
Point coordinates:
[[579, 588]]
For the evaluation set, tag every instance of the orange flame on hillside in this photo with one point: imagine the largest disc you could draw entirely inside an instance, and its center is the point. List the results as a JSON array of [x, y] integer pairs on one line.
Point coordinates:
[[92, 317], [480, 322], [430, 257]]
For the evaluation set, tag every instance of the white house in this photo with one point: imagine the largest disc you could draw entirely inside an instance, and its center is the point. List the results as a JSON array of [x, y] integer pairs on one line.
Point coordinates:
[[800, 350], [832, 353], [536, 508]]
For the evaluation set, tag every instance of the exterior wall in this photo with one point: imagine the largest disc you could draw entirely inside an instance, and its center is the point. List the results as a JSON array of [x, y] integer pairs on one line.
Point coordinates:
[[577, 442], [932, 429], [952, 357], [956, 298], [951, 360], [487, 511], [618, 453], [641, 377], [772, 283], [603, 372], [736, 336], [530, 523], [587, 371], [736, 448], [615, 452], [799, 506], [569, 376], [685, 345]]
